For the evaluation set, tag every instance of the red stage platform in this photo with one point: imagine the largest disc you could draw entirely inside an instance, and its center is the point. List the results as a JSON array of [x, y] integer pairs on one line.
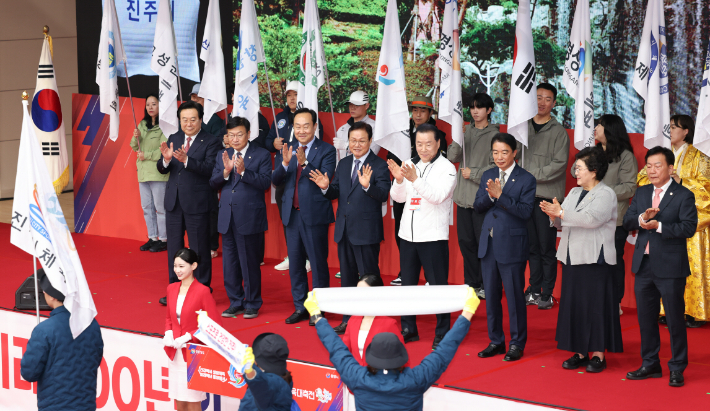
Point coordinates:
[[127, 284]]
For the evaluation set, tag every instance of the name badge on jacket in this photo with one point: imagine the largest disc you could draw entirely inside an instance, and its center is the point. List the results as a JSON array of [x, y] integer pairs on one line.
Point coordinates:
[[415, 203]]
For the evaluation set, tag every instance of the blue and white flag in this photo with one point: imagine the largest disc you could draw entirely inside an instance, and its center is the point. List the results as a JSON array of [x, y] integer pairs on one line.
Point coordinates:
[[651, 77], [111, 54], [523, 90], [701, 141], [164, 63], [392, 131], [311, 73], [250, 54], [450, 107], [213, 88], [39, 228], [577, 77]]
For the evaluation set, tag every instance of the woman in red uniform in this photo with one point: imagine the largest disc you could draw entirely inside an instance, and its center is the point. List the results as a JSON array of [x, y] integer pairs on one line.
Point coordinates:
[[185, 298]]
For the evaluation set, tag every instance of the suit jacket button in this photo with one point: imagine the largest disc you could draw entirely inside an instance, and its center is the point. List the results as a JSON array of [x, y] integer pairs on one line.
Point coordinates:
[[232, 190]]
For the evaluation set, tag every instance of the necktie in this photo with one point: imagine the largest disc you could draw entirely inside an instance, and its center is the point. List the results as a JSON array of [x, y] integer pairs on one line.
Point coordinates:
[[298, 178], [502, 179], [656, 202], [354, 178], [187, 144]]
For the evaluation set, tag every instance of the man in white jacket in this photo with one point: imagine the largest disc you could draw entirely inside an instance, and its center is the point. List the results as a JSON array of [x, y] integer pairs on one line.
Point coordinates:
[[425, 184]]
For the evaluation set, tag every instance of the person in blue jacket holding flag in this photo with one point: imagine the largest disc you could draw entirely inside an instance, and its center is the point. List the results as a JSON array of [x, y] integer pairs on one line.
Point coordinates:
[[386, 384], [269, 384]]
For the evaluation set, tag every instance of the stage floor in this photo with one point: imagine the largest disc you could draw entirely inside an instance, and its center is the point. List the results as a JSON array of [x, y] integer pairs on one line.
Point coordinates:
[[127, 284]]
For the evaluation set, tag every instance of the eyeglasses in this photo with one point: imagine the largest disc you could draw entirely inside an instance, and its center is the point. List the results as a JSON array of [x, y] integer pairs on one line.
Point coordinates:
[[238, 135], [580, 169]]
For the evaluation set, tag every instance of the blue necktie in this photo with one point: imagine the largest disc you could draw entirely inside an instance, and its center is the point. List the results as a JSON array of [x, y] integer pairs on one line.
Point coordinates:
[[354, 178]]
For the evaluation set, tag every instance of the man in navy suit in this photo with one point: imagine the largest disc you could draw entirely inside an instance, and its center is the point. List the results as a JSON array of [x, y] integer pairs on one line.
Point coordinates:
[[189, 157], [665, 216], [305, 212], [361, 184], [242, 173], [506, 198]]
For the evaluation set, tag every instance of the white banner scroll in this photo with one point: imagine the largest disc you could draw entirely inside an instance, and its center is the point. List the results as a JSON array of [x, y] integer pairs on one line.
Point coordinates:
[[220, 340], [393, 301]]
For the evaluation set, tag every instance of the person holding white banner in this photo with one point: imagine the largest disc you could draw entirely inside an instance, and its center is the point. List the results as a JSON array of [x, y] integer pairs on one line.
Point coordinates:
[[545, 157], [269, 382], [215, 123]]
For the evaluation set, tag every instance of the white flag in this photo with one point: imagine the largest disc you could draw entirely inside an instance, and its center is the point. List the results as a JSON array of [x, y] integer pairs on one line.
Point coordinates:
[[523, 90], [578, 79], [251, 53], [111, 54], [311, 73], [164, 64], [701, 141], [450, 107], [221, 340], [392, 131], [651, 77], [48, 121], [39, 228], [213, 88]]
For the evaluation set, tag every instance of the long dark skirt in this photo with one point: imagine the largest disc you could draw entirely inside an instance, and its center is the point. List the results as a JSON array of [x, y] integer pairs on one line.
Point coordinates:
[[588, 320]]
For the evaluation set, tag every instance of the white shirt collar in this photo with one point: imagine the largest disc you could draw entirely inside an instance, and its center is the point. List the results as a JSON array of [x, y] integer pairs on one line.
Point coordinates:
[[509, 170], [664, 188], [244, 150], [361, 159]]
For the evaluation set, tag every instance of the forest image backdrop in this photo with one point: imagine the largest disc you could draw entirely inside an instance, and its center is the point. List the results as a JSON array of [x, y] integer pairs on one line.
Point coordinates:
[[353, 29]]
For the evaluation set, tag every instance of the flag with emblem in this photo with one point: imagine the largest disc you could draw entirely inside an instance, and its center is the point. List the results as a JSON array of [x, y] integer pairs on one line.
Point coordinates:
[[392, 134], [311, 71], [701, 141], [48, 121], [39, 228], [577, 77], [450, 107], [651, 77], [250, 54], [213, 88], [164, 63], [523, 90], [111, 54]]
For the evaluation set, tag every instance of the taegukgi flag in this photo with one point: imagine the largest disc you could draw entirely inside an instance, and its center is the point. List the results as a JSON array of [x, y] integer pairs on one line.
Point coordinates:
[[312, 66], [523, 90], [213, 85], [651, 77], [111, 54], [39, 228], [450, 107], [392, 131], [164, 63], [701, 141], [577, 77], [250, 54], [48, 121]]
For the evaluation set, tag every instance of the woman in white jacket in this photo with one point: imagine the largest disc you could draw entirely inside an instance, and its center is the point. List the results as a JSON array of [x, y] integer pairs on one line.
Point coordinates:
[[425, 184]]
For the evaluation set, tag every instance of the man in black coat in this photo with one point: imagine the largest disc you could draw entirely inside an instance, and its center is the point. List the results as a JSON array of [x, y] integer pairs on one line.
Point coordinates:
[[665, 216]]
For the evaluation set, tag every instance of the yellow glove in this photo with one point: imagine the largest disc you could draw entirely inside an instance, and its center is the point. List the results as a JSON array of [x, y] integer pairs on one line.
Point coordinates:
[[472, 301], [311, 304], [249, 360]]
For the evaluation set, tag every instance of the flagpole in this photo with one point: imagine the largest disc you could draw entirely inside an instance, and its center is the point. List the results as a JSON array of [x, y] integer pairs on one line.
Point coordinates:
[[125, 69], [271, 98], [177, 65]]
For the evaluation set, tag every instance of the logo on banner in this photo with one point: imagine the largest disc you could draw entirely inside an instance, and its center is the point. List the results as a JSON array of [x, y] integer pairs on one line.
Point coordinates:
[[111, 57], [236, 378], [323, 395]]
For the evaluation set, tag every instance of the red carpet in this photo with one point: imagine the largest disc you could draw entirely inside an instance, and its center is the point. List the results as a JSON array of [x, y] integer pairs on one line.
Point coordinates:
[[127, 284]]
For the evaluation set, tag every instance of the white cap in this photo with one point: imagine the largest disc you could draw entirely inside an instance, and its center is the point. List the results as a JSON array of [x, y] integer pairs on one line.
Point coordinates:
[[292, 86], [359, 98], [195, 89]]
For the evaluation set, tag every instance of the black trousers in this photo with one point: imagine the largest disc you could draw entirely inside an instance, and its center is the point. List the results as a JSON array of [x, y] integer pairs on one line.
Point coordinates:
[[649, 290], [197, 227], [398, 210], [214, 218], [620, 268], [433, 256], [356, 261], [278, 196], [543, 250], [468, 228], [242, 269]]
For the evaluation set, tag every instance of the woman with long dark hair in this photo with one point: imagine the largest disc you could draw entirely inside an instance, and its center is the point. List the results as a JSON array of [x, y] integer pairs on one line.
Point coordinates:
[[146, 143]]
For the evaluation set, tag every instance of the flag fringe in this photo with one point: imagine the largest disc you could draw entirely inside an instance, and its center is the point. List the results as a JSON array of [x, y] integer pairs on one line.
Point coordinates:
[[62, 181]]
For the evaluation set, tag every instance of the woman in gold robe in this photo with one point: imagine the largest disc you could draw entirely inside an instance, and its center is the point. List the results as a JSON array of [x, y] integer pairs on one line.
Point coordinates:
[[692, 170]]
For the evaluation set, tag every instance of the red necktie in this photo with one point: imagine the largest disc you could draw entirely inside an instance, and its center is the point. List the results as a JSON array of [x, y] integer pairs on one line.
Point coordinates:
[[656, 202], [187, 144], [298, 178]]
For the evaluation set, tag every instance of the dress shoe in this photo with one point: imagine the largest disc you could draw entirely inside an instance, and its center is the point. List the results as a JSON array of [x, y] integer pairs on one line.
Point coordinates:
[[297, 316], [163, 301], [691, 322], [146, 246], [676, 379], [575, 361], [662, 320], [159, 246], [437, 340], [409, 336], [492, 350], [232, 312], [514, 353], [645, 372], [250, 313], [596, 365], [340, 329]]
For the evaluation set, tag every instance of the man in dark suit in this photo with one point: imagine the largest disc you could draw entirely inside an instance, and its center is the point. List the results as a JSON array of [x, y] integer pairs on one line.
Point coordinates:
[[361, 184], [305, 213], [665, 216], [189, 157], [242, 172], [506, 196]]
